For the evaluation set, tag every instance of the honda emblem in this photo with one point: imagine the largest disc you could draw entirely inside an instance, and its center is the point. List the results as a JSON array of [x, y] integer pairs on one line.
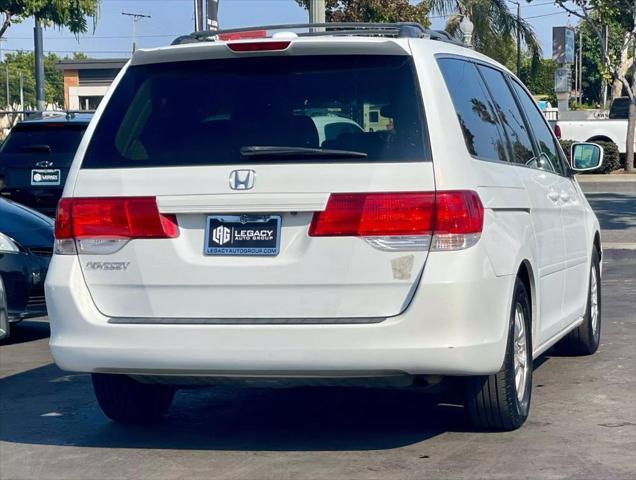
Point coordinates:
[[242, 179]]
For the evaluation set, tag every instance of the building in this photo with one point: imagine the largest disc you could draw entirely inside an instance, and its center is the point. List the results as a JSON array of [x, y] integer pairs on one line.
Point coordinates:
[[87, 81]]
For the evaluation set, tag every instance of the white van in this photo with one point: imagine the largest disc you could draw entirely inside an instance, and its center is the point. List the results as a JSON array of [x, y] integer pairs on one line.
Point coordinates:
[[206, 233]]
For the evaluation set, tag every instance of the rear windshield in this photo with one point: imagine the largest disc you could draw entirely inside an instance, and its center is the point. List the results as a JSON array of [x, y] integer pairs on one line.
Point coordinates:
[[44, 138], [208, 112]]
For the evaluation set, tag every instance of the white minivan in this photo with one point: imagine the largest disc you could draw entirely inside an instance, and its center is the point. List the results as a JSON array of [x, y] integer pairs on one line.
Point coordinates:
[[206, 233]]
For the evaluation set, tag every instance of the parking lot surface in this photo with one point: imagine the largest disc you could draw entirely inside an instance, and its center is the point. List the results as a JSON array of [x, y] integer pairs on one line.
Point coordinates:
[[582, 424]]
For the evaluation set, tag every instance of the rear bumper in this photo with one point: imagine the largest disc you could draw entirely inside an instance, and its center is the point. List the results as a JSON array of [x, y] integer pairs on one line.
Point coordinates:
[[456, 324]]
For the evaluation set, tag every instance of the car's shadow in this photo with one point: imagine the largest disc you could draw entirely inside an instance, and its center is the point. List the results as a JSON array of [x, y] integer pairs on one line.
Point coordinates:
[[48, 406], [615, 211], [27, 331]]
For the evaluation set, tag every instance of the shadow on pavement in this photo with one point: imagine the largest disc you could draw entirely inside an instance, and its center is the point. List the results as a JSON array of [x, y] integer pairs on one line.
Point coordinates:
[[614, 211], [27, 331], [61, 410]]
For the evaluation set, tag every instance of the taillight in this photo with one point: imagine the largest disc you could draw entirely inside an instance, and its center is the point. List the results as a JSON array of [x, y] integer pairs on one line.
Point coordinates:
[[375, 214], [447, 220], [557, 131], [258, 46], [105, 224]]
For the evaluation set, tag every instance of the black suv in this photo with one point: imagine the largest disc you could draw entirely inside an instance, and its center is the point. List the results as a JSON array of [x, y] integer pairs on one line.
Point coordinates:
[[36, 156]]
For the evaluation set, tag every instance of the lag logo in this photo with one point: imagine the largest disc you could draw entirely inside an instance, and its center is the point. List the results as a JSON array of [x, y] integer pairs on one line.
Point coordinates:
[[221, 235]]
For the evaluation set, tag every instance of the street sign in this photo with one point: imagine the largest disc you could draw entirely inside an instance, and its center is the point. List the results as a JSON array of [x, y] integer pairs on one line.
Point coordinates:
[[563, 45]]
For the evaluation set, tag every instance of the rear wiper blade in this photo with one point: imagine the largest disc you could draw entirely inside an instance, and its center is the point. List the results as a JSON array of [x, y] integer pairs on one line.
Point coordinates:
[[37, 148], [265, 151]]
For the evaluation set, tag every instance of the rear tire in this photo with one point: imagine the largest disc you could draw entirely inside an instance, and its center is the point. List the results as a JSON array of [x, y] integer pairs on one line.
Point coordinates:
[[123, 399], [501, 402], [585, 339]]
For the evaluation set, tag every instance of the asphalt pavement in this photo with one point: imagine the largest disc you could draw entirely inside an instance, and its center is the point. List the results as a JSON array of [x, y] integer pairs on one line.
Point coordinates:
[[582, 424]]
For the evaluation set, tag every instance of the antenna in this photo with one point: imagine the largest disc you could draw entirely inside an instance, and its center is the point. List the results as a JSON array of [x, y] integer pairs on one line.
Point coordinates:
[[135, 18]]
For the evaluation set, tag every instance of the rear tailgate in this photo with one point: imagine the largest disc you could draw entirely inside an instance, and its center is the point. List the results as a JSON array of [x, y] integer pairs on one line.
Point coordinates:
[[39, 154], [150, 142]]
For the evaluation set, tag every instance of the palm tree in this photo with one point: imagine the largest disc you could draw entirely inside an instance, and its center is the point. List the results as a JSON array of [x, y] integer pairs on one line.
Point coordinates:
[[495, 26]]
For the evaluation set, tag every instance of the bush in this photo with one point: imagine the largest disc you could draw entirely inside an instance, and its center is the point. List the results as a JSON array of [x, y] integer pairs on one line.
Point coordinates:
[[611, 158]]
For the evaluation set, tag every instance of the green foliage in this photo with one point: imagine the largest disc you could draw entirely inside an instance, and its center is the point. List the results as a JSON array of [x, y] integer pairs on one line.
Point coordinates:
[[22, 62], [539, 78], [374, 11], [611, 157], [495, 27], [593, 68], [72, 14]]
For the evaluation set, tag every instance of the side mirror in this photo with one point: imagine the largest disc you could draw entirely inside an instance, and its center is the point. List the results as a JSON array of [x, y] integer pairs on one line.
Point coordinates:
[[586, 156]]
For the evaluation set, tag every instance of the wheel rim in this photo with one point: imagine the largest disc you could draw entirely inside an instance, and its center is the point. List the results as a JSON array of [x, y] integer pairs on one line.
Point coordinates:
[[521, 352], [594, 302]]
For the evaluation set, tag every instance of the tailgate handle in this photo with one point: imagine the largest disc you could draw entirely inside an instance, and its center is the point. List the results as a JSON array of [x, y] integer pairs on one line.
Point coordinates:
[[248, 202]]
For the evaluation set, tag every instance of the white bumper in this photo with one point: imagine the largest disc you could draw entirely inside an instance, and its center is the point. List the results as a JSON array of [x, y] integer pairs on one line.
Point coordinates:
[[456, 324]]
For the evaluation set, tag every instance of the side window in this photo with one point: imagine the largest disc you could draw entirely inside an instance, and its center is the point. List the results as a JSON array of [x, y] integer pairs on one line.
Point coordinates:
[[550, 158], [510, 115], [475, 111]]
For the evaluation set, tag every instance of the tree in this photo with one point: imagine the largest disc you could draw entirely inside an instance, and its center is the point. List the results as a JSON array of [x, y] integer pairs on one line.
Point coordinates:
[[71, 14], [540, 79], [374, 11], [21, 62], [495, 26], [596, 14]]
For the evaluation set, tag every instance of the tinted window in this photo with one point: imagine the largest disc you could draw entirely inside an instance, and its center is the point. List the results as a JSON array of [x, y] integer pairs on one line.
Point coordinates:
[[475, 110], [619, 108], [44, 138], [204, 112], [550, 158], [510, 116]]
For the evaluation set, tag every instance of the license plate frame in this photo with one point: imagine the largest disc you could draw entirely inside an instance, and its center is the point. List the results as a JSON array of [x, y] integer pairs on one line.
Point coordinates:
[[242, 235], [40, 177]]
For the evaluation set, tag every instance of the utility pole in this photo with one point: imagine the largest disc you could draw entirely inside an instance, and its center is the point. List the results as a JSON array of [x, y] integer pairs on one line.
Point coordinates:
[[22, 94], [212, 14], [580, 92], [135, 18], [317, 11], [39, 65], [518, 4], [606, 42], [6, 69], [198, 15]]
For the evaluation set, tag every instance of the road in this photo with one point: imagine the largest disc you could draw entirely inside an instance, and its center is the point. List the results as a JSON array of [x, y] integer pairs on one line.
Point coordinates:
[[582, 424]]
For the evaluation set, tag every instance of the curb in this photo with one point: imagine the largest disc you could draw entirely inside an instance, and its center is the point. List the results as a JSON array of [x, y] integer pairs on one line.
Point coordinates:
[[615, 178], [619, 246]]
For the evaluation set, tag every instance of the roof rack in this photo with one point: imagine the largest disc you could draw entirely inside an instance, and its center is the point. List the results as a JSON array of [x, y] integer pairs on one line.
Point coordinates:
[[393, 30]]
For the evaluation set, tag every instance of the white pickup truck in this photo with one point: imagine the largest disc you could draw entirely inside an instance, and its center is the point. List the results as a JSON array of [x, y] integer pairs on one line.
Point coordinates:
[[613, 129]]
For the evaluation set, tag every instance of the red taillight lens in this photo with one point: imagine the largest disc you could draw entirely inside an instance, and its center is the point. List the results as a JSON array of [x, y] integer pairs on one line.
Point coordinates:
[[258, 46], [557, 131], [458, 212], [113, 217], [375, 214], [397, 214]]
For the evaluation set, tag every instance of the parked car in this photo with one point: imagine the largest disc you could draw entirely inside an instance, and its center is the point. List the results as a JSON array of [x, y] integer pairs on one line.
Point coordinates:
[[26, 246], [36, 156], [612, 130], [232, 244]]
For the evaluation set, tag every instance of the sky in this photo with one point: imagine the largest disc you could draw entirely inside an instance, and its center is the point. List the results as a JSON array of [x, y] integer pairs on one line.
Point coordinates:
[[112, 36]]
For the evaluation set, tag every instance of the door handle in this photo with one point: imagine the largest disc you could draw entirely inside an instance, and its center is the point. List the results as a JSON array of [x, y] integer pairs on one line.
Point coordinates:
[[554, 196]]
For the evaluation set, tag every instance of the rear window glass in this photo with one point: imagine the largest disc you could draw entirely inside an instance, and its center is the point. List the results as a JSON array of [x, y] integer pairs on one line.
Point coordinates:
[[208, 112], [44, 138], [619, 108], [475, 111]]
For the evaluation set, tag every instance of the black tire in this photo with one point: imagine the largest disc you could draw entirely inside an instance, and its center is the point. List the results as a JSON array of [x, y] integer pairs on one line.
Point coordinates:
[[492, 402], [585, 339], [123, 399]]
